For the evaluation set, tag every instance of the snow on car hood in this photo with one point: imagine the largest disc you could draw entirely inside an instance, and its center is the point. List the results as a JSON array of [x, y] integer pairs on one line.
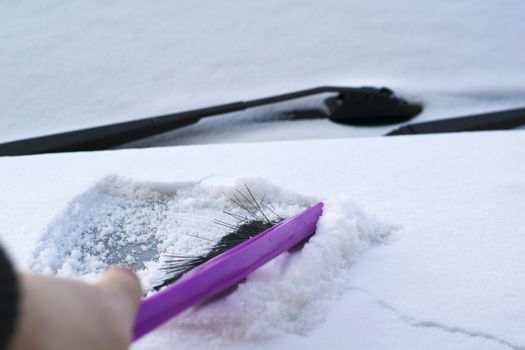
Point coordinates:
[[449, 275]]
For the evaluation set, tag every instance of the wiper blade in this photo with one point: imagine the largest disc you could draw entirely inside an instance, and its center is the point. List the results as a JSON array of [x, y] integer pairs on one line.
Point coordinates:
[[501, 120], [350, 106]]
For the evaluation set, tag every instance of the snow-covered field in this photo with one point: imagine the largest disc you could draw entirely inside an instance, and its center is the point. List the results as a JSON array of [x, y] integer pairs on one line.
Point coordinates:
[[421, 242], [420, 246]]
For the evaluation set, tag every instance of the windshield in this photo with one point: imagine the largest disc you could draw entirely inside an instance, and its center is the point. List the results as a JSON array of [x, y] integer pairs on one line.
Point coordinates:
[[68, 66]]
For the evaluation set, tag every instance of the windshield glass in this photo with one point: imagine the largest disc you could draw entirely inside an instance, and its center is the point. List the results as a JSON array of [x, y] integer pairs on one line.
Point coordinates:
[[68, 65]]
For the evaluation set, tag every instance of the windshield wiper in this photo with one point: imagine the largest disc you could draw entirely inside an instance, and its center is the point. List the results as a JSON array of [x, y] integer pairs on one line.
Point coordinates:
[[356, 106], [501, 120]]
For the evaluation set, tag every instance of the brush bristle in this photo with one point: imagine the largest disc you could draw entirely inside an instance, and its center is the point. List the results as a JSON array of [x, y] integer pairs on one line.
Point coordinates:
[[255, 221]]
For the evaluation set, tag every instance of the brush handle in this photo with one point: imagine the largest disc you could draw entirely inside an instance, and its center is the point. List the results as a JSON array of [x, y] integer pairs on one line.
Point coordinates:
[[224, 271]]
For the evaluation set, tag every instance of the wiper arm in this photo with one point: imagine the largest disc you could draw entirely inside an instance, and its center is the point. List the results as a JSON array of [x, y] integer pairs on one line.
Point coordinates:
[[502, 120], [349, 106]]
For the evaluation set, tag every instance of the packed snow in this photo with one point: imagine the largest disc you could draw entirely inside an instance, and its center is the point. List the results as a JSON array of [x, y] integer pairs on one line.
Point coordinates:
[[429, 256]]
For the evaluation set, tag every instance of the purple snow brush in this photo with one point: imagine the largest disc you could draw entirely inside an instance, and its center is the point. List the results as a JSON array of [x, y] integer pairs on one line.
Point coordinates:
[[225, 270]]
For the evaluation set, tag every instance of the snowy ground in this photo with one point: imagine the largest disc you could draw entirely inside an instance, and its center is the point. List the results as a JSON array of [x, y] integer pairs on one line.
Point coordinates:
[[447, 274]]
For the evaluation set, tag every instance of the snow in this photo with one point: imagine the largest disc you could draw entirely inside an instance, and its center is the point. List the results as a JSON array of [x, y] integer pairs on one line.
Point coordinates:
[[419, 245], [72, 64], [121, 221], [292, 294]]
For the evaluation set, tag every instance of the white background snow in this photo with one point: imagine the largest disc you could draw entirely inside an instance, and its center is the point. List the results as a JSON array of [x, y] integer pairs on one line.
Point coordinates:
[[449, 276]]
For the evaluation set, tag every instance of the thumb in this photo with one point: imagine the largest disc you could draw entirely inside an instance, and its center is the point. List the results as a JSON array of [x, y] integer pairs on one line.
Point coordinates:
[[124, 284]]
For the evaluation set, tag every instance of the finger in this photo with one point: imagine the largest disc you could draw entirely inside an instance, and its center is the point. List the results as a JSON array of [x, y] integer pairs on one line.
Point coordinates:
[[124, 283]]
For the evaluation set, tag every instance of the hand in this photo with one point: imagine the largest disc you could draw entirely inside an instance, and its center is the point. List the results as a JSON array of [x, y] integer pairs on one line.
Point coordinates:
[[64, 314]]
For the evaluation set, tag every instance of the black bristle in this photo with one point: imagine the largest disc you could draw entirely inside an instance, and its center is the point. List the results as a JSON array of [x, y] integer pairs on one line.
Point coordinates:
[[256, 221]]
